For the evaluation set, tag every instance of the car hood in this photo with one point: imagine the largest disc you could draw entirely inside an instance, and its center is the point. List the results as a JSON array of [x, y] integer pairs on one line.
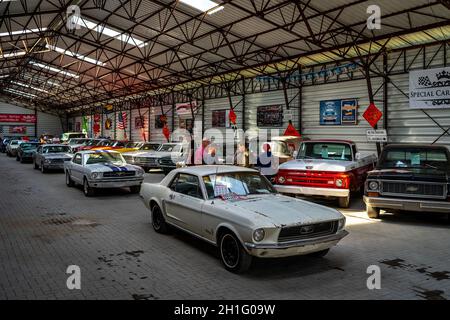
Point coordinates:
[[108, 167], [282, 210], [318, 165], [57, 155]]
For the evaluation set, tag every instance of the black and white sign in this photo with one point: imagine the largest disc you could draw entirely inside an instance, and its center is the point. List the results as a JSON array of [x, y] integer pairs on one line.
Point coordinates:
[[377, 135], [429, 89]]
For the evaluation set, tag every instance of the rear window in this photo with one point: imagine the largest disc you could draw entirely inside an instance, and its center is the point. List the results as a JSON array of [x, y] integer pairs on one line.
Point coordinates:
[[325, 150]]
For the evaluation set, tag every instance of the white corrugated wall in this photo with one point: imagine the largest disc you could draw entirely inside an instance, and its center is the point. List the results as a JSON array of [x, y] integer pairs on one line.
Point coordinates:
[[46, 123], [407, 125], [312, 95]]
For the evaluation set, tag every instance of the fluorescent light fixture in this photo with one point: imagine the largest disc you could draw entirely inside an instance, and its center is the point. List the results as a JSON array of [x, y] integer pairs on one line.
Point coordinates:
[[49, 68], [20, 93], [14, 33], [75, 55], [30, 87], [13, 54], [4, 76], [110, 32], [207, 6]]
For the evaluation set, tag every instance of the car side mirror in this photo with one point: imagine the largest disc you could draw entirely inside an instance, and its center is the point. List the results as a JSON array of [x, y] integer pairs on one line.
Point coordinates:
[[358, 156]]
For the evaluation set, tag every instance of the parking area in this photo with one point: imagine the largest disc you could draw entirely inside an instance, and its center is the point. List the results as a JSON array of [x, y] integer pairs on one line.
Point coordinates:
[[46, 227]]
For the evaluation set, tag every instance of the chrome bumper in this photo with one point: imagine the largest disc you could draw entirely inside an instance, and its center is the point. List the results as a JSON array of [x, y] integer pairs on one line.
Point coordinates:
[[115, 183], [294, 248], [311, 191], [408, 204], [54, 166]]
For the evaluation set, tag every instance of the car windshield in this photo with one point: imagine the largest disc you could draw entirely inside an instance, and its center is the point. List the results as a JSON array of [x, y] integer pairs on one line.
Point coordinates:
[[117, 144], [170, 148], [56, 149], [93, 143], [14, 143], [73, 142], [415, 158], [77, 135], [325, 150], [105, 157], [238, 183], [26, 146], [150, 146]]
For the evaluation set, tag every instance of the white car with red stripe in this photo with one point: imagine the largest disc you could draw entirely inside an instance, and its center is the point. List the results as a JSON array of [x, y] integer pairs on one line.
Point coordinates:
[[326, 168], [96, 169]]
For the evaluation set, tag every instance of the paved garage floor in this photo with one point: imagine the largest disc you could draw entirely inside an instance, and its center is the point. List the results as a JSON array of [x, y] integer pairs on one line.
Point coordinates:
[[45, 227]]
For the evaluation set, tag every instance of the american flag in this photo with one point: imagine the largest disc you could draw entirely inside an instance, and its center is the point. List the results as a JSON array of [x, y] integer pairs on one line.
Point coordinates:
[[122, 123]]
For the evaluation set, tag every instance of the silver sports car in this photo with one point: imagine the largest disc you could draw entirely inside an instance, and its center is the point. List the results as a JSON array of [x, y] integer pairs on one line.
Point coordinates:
[[51, 157], [102, 169]]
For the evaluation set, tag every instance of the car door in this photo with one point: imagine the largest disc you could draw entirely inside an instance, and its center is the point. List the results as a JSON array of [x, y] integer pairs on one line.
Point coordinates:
[[185, 202], [37, 155], [76, 168]]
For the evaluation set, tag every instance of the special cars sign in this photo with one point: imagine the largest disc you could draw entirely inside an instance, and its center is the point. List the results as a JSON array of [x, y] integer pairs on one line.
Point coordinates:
[[429, 89], [18, 118]]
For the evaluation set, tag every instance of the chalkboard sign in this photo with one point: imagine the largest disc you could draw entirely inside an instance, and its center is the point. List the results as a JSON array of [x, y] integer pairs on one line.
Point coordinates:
[[270, 116]]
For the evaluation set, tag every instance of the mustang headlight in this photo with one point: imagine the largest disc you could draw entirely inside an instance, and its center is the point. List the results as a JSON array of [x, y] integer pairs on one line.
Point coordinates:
[[258, 235], [140, 172], [373, 185], [341, 224], [95, 175], [47, 161]]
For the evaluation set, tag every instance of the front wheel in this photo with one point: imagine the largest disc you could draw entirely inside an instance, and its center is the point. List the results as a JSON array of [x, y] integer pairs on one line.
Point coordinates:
[[234, 257], [35, 165], [17, 158], [344, 202], [69, 181], [87, 190], [158, 222], [43, 169], [372, 212]]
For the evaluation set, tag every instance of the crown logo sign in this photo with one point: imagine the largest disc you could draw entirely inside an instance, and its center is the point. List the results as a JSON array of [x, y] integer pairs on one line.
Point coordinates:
[[443, 75]]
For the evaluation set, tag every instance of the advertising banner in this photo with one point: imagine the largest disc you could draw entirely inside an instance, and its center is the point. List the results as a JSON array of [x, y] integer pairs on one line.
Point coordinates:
[[349, 111], [429, 89], [18, 118]]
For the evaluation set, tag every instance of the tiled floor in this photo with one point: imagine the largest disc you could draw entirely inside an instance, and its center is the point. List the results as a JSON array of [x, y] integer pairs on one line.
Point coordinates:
[[45, 227]]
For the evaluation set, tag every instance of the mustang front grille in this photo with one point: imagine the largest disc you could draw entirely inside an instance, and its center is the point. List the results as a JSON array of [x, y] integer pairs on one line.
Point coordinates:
[[119, 174], [413, 189], [307, 231], [166, 162]]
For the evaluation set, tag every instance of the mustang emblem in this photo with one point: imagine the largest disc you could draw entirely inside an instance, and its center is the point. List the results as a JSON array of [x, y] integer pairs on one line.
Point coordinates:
[[306, 229]]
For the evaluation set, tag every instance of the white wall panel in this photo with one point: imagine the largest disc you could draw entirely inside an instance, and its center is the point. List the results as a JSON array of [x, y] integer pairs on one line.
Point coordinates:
[[407, 125], [344, 90]]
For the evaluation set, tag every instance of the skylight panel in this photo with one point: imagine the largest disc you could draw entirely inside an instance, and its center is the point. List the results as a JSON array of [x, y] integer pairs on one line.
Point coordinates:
[[110, 32], [30, 87], [53, 69], [207, 6], [75, 55], [13, 54], [14, 33], [20, 93]]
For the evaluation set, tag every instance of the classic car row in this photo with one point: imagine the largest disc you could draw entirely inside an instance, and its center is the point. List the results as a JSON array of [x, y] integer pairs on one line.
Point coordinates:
[[241, 212]]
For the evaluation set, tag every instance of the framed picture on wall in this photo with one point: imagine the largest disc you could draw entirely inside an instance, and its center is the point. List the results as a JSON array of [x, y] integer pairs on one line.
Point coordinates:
[[350, 111], [270, 116], [219, 118], [139, 122]]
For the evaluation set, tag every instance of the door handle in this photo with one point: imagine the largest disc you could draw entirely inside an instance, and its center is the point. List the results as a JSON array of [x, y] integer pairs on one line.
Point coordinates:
[[171, 196]]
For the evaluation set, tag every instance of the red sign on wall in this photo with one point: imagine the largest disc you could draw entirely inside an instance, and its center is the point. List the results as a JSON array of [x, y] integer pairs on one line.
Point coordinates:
[[372, 115], [18, 118]]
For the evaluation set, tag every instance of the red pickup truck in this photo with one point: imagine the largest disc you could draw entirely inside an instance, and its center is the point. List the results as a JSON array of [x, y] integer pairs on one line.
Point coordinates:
[[326, 168]]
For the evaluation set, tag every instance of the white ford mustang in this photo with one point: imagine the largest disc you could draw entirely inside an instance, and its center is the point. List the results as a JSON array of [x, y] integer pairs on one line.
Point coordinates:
[[240, 212]]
